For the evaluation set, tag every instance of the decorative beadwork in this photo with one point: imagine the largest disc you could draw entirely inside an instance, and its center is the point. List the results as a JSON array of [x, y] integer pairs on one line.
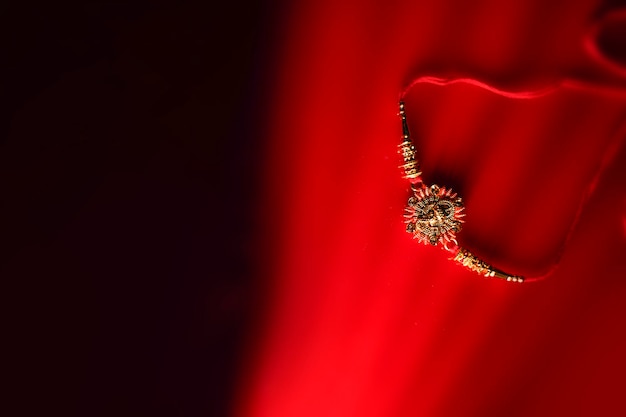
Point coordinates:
[[434, 214]]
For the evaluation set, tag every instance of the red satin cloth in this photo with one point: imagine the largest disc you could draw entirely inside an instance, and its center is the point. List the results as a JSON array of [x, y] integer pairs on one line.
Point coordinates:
[[521, 108]]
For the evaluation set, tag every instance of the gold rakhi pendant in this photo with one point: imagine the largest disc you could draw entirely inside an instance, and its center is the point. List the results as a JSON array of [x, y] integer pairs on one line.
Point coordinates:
[[434, 215]]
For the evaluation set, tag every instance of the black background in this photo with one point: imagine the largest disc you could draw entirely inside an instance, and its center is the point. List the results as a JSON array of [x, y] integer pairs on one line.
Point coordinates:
[[130, 135]]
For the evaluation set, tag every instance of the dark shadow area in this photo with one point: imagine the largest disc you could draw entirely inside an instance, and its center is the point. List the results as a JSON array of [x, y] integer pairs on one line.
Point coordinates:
[[128, 141]]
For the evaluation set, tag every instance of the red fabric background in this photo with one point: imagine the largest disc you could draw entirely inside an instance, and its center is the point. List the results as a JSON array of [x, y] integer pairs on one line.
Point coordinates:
[[363, 321]]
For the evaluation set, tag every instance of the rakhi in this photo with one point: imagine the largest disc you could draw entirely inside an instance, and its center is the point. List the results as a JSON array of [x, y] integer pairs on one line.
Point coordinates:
[[434, 214]]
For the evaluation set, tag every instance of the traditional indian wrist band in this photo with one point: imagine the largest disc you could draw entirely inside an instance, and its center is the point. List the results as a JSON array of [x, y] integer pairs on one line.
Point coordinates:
[[434, 214]]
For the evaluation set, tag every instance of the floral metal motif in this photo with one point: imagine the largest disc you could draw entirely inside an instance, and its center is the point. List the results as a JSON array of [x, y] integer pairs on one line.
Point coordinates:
[[434, 215]]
